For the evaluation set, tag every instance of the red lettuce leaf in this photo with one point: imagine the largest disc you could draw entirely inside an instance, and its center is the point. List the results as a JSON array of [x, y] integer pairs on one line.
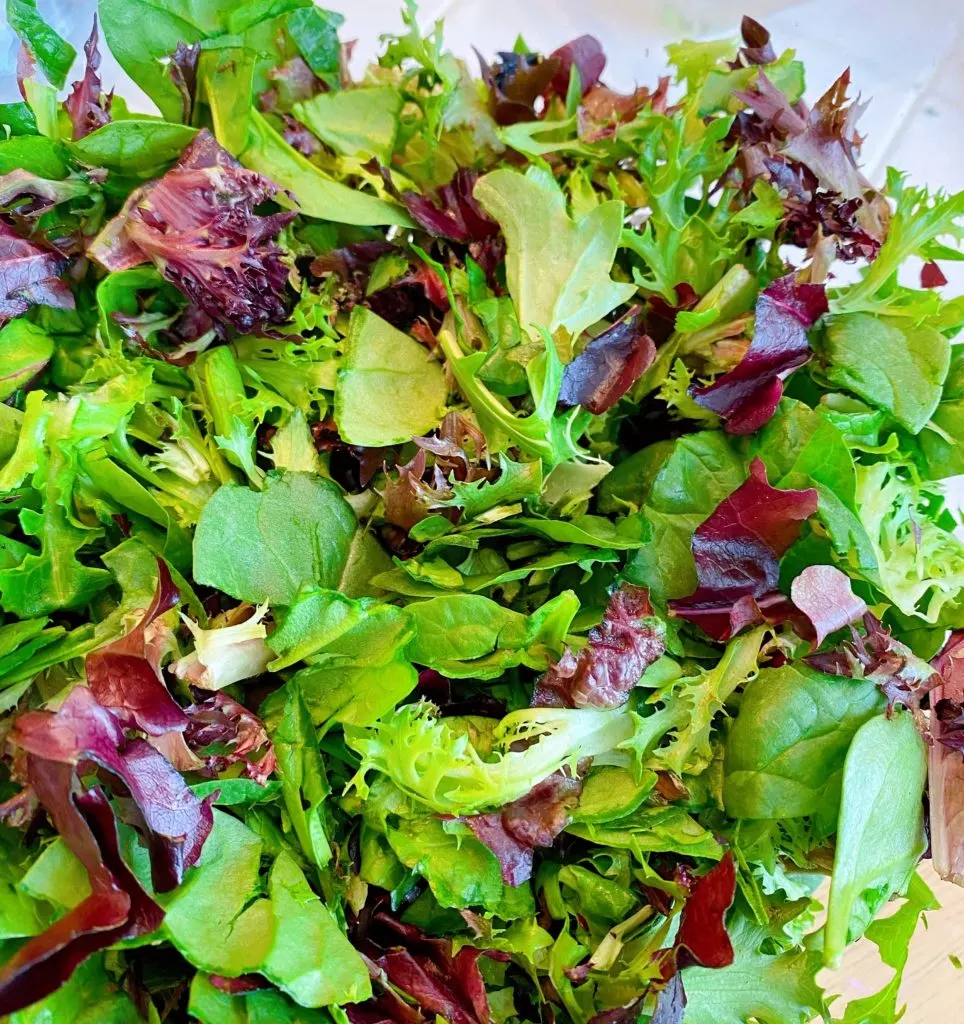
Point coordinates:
[[608, 366], [176, 823], [737, 551], [426, 970], [702, 937], [515, 82], [451, 211], [617, 653], [125, 676], [534, 820], [931, 275], [587, 54], [117, 908], [902, 677], [183, 72], [236, 733], [757, 48], [87, 109], [29, 276], [198, 226], [825, 597], [747, 396]]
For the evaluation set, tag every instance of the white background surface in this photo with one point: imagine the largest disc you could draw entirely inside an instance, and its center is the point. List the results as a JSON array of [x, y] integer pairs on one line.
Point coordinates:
[[907, 56]]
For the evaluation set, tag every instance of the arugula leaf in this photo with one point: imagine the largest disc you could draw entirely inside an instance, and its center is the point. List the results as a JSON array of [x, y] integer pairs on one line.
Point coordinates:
[[265, 546], [389, 388], [557, 269]]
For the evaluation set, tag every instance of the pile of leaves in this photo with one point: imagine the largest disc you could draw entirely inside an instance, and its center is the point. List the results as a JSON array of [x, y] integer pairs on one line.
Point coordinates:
[[464, 552]]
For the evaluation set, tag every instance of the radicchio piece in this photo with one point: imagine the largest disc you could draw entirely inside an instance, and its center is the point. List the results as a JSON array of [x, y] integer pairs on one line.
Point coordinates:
[[825, 597], [737, 551], [235, 733], [534, 820], [29, 276], [609, 365], [586, 53], [748, 395], [117, 908], [946, 764], [198, 226], [88, 110], [175, 821], [125, 676], [451, 211], [903, 678], [617, 653], [515, 82]]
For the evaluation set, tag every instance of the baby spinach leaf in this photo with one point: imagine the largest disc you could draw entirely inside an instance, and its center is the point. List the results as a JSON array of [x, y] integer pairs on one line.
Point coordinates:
[[315, 33], [389, 388], [134, 146], [227, 77], [214, 917], [466, 635], [52, 52], [785, 751], [880, 831], [267, 545], [701, 471], [894, 365]]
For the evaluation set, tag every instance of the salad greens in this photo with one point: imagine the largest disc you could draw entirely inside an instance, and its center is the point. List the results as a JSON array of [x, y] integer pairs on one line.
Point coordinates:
[[466, 553]]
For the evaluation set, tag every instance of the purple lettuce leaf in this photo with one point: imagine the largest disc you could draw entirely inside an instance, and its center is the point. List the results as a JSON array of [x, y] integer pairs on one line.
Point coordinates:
[[451, 211], [737, 552], [747, 396], [876, 655], [197, 225], [87, 108], [609, 365], [125, 676], [586, 53], [29, 276], [117, 908], [946, 763], [617, 653], [174, 821], [516, 81]]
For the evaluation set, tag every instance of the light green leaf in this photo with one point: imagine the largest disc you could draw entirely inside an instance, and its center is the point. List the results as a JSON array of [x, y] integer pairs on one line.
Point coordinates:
[[317, 194], [311, 958], [360, 122], [557, 269], [880, 831], [389, 388]]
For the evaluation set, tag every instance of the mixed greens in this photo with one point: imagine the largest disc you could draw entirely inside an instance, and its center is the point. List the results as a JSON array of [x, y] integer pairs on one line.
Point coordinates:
[[466, 551]]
